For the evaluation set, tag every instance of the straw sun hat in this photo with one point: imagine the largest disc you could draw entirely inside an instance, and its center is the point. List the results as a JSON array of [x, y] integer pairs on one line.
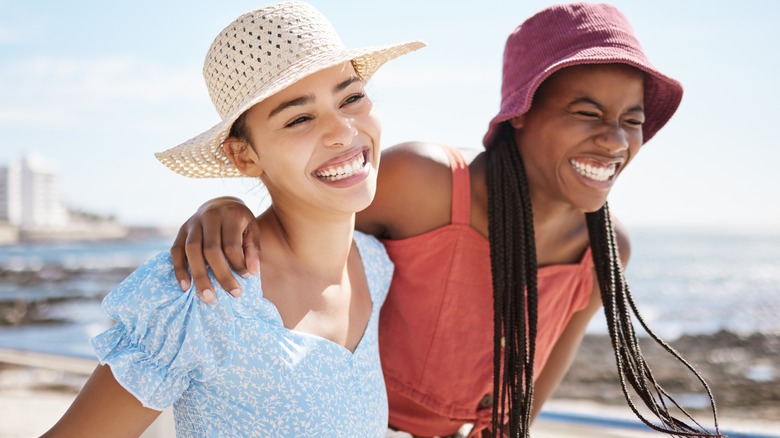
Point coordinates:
[[257, 55]]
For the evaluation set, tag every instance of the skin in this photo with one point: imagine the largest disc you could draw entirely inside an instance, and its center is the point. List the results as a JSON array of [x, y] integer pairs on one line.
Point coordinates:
[[317, 291], [588, 114]]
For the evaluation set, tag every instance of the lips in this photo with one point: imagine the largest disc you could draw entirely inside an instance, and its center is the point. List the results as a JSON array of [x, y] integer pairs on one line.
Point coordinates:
[[594, 170], [342, 169]]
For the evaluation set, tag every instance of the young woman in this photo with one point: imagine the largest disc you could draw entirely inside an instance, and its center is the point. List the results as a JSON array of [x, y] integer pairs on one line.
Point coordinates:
[[296, 354], [527, 219]]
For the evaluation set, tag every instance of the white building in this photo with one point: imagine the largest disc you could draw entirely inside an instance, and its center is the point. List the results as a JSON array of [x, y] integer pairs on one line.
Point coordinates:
[[29, 195]]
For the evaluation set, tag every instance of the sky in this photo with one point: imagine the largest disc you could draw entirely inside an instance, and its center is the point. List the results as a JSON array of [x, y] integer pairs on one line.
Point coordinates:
[[97, 87]]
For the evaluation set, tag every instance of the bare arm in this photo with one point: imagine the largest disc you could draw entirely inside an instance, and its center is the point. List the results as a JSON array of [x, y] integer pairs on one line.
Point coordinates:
[[413, 194], [413, 177], [566, 347], [103, 408], [563, 353]]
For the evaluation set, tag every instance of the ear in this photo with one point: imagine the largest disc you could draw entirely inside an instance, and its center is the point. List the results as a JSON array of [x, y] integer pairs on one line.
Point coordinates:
[[243, 156], [517, 122]]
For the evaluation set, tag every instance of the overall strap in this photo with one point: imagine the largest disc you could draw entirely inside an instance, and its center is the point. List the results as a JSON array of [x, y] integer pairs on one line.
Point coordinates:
[[461, 187]]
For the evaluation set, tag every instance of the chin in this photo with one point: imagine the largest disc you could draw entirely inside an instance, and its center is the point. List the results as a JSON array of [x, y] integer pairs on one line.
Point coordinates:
[[591, 207], [360, 201]]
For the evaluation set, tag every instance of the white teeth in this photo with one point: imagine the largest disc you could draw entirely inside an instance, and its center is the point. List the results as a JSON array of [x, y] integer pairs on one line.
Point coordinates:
[[342, 171], [596, 173]]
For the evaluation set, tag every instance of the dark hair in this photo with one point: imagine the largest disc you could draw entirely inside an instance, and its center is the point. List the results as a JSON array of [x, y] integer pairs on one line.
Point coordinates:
[[238, 128], [514, 270]]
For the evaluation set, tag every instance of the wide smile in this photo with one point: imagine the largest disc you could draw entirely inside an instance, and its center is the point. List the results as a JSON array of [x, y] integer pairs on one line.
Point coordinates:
[[594, 170], [345, 167]]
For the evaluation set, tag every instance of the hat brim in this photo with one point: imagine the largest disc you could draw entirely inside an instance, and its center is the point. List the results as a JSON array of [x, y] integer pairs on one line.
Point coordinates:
[[203, 157], [662, 94]]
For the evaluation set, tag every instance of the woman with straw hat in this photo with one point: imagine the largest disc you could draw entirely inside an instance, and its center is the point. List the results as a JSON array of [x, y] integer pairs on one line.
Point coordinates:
[[297, 354], [500, 264]]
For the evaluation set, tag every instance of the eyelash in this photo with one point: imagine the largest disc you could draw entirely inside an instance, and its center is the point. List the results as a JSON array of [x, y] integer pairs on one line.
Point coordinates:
[[589, 114], [349, 100], [354, 98]]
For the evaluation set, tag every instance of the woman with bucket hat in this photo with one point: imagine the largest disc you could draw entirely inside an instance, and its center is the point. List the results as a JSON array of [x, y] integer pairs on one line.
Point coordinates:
[[526, 219], [297, 354]]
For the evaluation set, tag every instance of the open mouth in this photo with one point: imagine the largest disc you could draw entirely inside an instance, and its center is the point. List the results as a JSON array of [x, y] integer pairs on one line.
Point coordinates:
[[596, 172], [345, 169]]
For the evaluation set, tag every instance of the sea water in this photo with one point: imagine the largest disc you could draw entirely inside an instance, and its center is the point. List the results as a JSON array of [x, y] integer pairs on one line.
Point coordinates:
[[684, 282]]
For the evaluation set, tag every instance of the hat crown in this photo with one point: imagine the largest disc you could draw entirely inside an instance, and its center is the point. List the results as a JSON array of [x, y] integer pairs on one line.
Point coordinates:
[[557, 33], [260, 46]]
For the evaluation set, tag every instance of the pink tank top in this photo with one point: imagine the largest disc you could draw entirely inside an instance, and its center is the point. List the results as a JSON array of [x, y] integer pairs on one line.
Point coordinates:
[[436, 325]]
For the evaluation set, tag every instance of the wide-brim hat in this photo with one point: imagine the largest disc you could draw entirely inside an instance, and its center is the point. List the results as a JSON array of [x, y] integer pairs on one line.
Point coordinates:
[[574, 34], [257, 55]]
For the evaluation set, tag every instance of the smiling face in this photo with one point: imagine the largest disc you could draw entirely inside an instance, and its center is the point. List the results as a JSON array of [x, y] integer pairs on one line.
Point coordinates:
[[583, 128], [316, 141]]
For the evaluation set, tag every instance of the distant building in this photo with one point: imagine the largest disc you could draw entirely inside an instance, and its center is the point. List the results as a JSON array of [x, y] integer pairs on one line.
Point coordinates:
[[30, 202], [29, 195], [11, 194]]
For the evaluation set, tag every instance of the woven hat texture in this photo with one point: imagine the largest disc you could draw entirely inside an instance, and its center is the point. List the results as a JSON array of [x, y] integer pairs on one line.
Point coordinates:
[[257, 55], [574, 34]]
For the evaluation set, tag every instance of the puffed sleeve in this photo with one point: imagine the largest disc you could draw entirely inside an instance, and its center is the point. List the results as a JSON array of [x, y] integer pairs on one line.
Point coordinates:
[[163, 338]]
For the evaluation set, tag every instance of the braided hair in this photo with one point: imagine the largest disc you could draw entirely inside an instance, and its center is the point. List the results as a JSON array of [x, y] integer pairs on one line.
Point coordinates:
[[514, 269]]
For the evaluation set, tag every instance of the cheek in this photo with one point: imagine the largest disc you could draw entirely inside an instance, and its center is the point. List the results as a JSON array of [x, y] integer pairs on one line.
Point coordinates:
[[634, 147], [372, 125]]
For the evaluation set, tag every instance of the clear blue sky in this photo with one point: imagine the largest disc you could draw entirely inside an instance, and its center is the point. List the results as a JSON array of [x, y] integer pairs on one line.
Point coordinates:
[[97, 87]]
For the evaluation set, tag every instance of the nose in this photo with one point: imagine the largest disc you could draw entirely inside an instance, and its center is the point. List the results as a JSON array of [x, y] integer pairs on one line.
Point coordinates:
[[339, 130], [613, 138]]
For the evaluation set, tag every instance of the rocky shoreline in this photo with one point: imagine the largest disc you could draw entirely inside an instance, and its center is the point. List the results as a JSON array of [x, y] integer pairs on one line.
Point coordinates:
[[743, 372]]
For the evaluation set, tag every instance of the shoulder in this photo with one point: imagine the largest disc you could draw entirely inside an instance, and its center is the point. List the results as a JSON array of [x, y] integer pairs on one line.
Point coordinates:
[[373, 254], [413, 178], [377, 266], [150, 283], [623, 241], [414, 166]]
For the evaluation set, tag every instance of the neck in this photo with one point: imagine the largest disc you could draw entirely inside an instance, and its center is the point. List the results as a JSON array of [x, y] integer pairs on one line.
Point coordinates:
[[316, 244]]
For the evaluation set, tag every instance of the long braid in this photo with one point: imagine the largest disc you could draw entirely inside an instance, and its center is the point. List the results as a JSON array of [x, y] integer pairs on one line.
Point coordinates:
[[631, 365], [513, 267]]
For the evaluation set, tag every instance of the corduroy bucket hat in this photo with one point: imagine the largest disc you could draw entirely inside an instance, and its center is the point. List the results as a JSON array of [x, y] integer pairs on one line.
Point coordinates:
[[574, 34], [257, 55]]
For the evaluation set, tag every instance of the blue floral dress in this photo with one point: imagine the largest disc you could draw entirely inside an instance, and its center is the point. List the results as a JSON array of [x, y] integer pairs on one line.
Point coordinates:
[[231, 369]]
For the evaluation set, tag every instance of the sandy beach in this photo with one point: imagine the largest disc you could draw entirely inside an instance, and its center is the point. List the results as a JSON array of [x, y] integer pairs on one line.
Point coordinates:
[[742, 372]]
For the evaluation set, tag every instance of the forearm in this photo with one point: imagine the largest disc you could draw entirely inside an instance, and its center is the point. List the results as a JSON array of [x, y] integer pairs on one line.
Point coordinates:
[[563, 354], [103, 408]]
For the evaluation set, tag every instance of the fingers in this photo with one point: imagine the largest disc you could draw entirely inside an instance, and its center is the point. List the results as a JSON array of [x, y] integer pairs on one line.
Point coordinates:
[[179, 258], [232, 245], [194, 251], [214, 251], [215, 235], [251, 246]]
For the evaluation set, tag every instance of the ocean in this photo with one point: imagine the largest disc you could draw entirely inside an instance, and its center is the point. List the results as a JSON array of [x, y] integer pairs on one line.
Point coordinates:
[[684, 282]]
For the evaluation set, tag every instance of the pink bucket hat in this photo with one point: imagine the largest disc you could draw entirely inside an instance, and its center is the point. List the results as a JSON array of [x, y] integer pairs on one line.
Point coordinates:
[[573, 34]]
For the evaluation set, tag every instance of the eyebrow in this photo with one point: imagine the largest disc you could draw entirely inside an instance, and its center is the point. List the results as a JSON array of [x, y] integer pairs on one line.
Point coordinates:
[[591, 101], [309, 98]]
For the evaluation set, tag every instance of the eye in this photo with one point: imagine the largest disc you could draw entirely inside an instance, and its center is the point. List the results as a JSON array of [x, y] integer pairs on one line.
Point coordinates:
[[297, 121], [587, 114], [357, 97], [635, 122]]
